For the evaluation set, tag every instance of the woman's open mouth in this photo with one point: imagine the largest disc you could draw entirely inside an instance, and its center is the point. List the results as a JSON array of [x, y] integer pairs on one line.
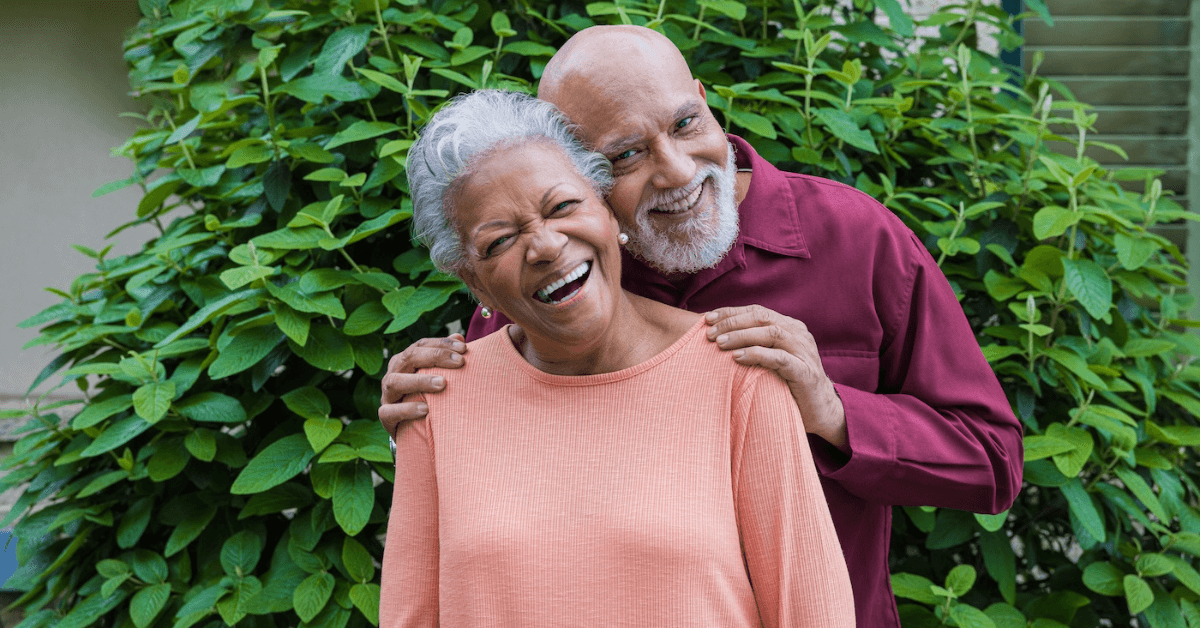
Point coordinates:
[[565, 287]]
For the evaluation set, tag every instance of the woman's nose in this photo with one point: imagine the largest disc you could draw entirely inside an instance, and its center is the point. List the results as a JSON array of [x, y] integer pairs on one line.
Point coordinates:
[[545, 245]]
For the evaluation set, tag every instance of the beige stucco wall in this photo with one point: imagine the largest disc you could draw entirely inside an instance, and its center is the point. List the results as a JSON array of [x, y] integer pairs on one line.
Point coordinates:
[[62, 86]]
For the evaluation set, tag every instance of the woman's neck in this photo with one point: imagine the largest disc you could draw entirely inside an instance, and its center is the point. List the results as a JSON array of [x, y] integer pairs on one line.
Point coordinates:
[[638, 330]]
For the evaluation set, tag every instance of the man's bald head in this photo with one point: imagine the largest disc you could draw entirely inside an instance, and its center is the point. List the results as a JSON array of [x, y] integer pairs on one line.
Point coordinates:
[[607, 60]]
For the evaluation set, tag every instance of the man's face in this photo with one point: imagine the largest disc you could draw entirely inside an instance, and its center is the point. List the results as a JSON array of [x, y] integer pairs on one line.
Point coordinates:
[[674, 191]]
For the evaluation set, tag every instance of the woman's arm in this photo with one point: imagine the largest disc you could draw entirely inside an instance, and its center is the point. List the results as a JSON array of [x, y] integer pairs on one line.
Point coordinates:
[[409, 590], [792, 551]]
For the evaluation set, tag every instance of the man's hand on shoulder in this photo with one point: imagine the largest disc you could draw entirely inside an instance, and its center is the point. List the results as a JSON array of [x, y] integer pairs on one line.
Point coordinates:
[[762, 337], [403, 379]]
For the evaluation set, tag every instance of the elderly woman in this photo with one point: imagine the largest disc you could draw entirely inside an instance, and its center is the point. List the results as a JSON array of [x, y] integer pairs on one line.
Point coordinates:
[[599, 463]]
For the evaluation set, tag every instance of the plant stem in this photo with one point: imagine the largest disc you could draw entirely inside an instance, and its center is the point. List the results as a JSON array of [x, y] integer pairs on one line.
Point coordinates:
[[966, 27], [699, 21], [387, 46]]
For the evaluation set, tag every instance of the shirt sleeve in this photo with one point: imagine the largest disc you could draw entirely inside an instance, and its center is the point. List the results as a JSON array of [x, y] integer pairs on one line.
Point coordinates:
[[409, 585], [795, 562], [940, 431]]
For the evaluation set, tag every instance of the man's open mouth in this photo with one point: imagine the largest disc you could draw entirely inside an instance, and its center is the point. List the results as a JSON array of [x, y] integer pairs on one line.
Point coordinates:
[[683, 204], [565, 287]]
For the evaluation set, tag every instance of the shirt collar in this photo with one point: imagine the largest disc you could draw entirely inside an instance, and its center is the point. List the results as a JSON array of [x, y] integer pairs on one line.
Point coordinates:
[[767, 216]]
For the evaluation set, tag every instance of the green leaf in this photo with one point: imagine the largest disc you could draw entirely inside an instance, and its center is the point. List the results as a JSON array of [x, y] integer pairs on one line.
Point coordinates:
[[326, 349], [385, 81], [1076, 365], [168, 461], [1146, 347], [148, 603], [110, 568], [1085, 510], [846, 129], [211, 310], [246, 349], [357, 560], [1001, 563], [133, 522], [156, 193], [359, 131], [240, 553], [314, 89], [732, 8], [279, 498], [353, 497], [116, 435], [1133, 253], [241, 600], [1137, 594], [312, 595], [755, 123], [970, 617], [201, 443], [87, 612], [1053, 221], [991, 523], [211, 407], [961, 579], [237, 277], [366, 599], [914, 587], [1039, 7], [1186, 574], [368, 318], [95, 412], [151, 401], [292, 323], [1071, 462], [1038, 447], [1180, 435], [308, 402], [102, 482], [276, 464], [189, 529], [321, 432], [1136, 485], [1153, 564], [897, 18], [252, 154], [1090, 284], [1104, 578], [339, 48], [1005, 616]]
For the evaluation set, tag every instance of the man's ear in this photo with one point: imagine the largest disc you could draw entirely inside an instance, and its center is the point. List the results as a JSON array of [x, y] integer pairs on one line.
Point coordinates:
[[700, 86]]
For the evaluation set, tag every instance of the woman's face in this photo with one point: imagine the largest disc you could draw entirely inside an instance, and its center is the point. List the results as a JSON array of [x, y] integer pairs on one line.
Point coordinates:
[[541, 247]]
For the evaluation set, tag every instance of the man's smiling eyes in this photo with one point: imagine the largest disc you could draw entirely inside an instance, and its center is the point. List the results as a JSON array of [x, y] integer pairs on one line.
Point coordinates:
[[679, 125]]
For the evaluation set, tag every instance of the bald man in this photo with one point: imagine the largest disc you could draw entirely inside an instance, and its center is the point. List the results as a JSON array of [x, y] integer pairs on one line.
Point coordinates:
[[801, 275]]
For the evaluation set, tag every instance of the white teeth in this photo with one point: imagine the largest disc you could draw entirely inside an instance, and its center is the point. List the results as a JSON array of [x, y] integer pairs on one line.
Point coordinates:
[[682, 204], [580, 270]]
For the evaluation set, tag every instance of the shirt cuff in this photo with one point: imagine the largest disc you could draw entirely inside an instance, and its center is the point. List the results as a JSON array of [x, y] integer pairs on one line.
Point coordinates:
[[869, 434]]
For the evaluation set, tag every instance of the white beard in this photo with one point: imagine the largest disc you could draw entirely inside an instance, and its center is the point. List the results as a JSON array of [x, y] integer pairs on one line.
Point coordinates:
[[698, 243]]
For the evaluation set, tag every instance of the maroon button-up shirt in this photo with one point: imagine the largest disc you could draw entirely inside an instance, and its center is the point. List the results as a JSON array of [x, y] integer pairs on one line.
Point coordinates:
[[927, 421]]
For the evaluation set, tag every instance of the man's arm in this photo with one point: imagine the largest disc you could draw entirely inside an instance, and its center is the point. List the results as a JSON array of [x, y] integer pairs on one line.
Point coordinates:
[[937, 432]]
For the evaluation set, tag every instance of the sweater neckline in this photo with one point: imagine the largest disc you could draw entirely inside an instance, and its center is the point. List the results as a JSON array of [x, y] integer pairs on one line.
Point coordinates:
[[511, 353]]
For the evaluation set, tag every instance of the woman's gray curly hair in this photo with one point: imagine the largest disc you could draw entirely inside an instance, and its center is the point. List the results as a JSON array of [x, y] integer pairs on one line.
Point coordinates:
[[468, 127]]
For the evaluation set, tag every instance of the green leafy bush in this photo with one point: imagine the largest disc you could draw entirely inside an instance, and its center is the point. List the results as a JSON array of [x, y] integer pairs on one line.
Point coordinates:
[[227, 465]]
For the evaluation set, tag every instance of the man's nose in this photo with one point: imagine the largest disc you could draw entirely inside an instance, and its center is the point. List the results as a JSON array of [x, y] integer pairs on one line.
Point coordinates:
[[675, 168], [545, 244]]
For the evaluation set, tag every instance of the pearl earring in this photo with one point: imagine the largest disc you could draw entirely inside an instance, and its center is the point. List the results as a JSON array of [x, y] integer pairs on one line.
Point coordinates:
[[623, 238], [485, 312]]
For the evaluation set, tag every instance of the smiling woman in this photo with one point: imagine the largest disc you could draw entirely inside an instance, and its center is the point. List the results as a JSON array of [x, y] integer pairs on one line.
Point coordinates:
[[598, 459]]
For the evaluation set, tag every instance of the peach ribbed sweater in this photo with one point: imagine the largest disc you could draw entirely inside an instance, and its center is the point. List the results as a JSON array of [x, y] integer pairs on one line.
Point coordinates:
[[651, 496]]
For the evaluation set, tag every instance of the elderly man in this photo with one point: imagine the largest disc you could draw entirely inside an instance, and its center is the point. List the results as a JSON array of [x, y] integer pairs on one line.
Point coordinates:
[[800, 275]]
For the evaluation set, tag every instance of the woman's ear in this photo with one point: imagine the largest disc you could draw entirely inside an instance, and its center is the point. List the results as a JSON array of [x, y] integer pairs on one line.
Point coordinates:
[[468, 277]]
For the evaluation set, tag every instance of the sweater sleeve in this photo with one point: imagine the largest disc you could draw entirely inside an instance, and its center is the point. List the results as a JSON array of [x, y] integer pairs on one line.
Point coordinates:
[[939, 432], [792, 552], [409, 586]]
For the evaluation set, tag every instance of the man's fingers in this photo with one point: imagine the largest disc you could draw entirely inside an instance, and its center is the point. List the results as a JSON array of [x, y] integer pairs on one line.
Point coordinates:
[[734, 318], [392, 415], [770, 336], [397, 385], [788, 366]]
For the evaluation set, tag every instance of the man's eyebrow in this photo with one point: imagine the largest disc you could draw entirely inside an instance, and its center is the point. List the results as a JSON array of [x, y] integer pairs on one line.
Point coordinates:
[[619, 145]]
